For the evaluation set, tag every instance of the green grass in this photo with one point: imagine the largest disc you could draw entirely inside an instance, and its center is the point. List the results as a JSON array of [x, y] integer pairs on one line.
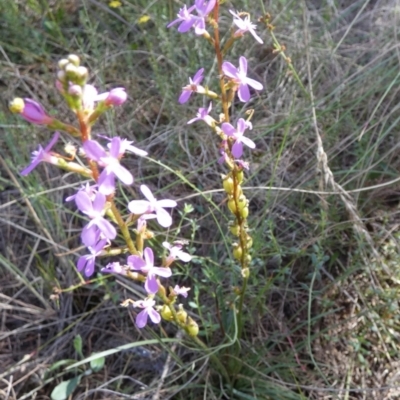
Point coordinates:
[[321, 315]]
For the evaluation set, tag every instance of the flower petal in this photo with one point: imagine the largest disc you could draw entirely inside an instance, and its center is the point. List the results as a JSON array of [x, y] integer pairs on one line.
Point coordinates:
[[149, 256], [141, 319], [163, 218], [154, 315], [139, 207], [151, 284]]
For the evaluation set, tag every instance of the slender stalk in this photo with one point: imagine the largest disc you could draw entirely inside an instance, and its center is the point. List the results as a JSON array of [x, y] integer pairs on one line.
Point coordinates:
[[124, 228], [217, 46]]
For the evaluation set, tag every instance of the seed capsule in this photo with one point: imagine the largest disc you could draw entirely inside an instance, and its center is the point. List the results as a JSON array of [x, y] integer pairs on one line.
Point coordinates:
[[227, 183], [232, 206], [237, 251], [181, 314], [244, 212], [166, 313], [192, 327]]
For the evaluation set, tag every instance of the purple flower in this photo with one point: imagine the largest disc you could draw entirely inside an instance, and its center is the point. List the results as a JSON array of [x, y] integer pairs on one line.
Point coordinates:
[[181, 290], [192, 87], [115, 97], [239, 76], [95, 211], [185, 18], [175, 251], [147, 267], [148, 311], [244, 26], [152, 205], [87, 261], [114, 268], [90, 190], [109, 160], [126, 145], [42, 154], [203, 8], [203, 115], [237, 135]]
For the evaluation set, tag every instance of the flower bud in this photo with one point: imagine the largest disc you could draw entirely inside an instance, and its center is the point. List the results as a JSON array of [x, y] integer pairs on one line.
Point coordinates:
[[74, 59], [237, 251], [249, 242], [227, 183], [192, 327], [181, 314], [232, 205], [61, 77], [75, 90], [63, 63], [116, 97], [166, 313], [31, 111], [71, 72], [82, 73]]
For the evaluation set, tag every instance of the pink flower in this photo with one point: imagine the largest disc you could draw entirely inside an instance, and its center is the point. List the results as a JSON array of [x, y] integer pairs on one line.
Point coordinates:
[[181, 290], [203, 8], [114, 268], [33, 112], [87, 261], [192, 87], [237, 135], [239, 76], [110, 162], [95, 211], [152, 205], [146, 266], [148, 311], [42, 154], [175, 251], [203, 115], [244, 26], [115, 97], [185, 19]]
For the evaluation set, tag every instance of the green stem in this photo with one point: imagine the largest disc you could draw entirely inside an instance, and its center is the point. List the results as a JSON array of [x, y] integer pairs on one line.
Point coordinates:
[[124, 228]]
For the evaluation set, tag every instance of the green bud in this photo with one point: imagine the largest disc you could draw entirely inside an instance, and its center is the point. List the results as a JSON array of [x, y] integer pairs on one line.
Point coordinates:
[[74, 59], [249, 242], [71, 72], [63, 63], [61, 75]]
